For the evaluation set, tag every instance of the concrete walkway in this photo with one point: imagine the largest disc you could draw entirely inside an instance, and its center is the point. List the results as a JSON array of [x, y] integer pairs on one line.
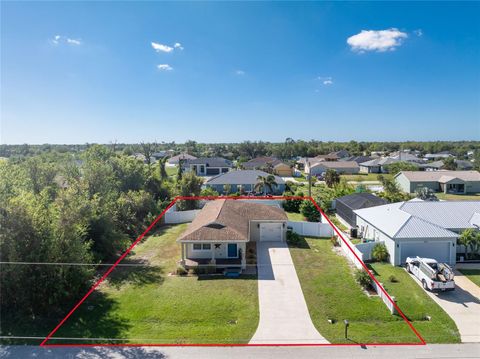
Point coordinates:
[[284, 317], [462, 305]]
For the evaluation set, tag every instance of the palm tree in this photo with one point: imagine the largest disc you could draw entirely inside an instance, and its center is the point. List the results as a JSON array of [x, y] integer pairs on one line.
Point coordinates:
[[265, 182], [332, 178], [465, 239]]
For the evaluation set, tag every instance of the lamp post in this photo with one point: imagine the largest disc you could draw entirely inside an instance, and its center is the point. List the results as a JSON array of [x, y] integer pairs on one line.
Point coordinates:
[[346, 328]]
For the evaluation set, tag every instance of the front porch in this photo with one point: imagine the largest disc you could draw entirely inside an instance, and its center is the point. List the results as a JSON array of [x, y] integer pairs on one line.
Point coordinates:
[[219, 255]]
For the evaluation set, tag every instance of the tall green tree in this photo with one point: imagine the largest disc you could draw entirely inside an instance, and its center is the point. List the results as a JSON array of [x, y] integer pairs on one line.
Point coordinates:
[[332, 178]]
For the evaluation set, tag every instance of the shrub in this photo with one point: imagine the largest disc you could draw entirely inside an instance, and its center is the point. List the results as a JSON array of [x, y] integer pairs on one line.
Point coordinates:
[[293, 238], [334, 241], [311, 213], [392, 279], [292, 205], [363, 278], [181, 270], [380, 252]]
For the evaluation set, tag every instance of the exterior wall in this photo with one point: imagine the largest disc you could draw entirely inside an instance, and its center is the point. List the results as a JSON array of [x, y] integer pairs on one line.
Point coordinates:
[[220, 253], [319, 169], [198, 173], [472, 186], [283, 170], [371, 232], [411, 187], [174, 216], [370, 169]]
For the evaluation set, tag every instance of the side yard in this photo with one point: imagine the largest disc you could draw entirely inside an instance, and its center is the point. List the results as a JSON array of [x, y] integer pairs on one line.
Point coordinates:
[[331, 292], [143, 303]]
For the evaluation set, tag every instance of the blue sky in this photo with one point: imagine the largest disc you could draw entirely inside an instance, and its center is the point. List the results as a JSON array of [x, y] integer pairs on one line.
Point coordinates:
[[97, 72]]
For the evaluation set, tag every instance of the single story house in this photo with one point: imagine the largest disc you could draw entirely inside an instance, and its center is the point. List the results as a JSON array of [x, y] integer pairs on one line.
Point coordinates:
[[438, 156], [432, 166], [347, 167], [358, 159], [175, 160], [220, 232], [340, 154], [419, 228], [457, 182], [376, 165], [346, 205], [243, 180], [208, 166], [261, 163]]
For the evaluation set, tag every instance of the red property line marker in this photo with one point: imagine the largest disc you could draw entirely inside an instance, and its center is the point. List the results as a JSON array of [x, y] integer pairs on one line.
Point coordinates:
[[49, 336]]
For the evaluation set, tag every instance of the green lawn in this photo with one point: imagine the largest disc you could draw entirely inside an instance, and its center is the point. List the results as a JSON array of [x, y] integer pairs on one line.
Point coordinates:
[[292, 216], [416, 304], [332, 293], [146, 305], [472, 274], [458, 197]]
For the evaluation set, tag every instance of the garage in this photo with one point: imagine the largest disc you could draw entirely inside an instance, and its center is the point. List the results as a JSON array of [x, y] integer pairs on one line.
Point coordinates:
[[428, 249], [271, 232]]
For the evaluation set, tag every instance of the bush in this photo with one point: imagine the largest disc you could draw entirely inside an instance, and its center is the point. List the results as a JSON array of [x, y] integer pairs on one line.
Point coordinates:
[[181, 270], [334, 241], [311, 213], [292, 205], [293, 238], [363, 278], [380, 252], [392, 279]]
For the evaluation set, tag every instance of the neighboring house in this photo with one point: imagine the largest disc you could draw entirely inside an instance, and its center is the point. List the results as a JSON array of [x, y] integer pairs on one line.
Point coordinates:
[[161, 154], [346, 205], [464, 165], [219, 234], [419, 228], [242, 181], [406, 157], [261, 163], [457, 182], [432, 166], [208, 166], [340, 154], [358, 159], [346, 167], [376, 165], [175, 160], [438, 156]]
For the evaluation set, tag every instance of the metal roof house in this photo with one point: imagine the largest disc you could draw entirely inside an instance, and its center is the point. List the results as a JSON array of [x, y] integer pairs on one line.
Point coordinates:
[[243, 180], [346, 205], [419, 228], [458, 182]]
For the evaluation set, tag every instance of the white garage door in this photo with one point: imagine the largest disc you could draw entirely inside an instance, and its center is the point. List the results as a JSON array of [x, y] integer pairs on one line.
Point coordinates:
[[436, 250], [271, 232]]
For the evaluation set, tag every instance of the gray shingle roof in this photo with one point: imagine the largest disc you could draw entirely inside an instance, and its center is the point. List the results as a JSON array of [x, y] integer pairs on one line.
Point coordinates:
[[210, 162], [361, 200], [241, 177]]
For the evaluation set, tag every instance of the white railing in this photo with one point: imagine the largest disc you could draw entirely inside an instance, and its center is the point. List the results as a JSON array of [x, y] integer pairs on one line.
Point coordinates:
[[311, 229]]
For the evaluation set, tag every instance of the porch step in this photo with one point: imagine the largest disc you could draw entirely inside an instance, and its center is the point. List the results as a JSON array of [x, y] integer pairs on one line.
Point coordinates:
[[232, 272]]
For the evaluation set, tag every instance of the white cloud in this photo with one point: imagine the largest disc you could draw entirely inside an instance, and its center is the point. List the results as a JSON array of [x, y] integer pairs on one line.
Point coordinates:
[[239, 72], [165, 67], [327, 81], [59, 39], [74, 41], [161, 48], [418, 32], [178, 45], [377, 40]]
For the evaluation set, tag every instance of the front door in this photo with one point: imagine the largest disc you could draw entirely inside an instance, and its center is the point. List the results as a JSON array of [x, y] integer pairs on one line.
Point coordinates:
[[232, 250]]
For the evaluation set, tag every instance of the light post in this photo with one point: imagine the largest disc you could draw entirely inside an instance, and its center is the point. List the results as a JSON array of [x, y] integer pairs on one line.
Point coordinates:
[[346, 328]]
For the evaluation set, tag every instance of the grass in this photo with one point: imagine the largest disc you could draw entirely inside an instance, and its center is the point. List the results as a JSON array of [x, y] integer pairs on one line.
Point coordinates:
[[458, 197], [337, 223], [144, 304], [472, 274], [416, 304], [331, 293], [292, 216]]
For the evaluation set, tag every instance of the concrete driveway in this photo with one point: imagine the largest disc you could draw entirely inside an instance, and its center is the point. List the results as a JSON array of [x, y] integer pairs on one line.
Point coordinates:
[[284, 317], [463, 306]]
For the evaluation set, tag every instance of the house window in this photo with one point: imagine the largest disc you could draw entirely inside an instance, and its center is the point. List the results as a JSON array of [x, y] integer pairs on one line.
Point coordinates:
[[197, 246], [206, 246], [202, 246]]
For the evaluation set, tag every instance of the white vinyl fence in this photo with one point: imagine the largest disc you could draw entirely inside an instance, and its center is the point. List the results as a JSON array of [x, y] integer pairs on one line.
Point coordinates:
[[364, 252], [311, 229], [172, 216]]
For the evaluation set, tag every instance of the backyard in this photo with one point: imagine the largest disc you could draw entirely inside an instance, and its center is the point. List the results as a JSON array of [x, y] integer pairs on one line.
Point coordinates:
[[331, 293], [472, 274], [143, 303]]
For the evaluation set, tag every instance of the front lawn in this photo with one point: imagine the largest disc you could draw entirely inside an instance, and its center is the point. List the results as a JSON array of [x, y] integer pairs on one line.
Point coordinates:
[[331, 293], [144, 304], [472, 274], [416, 305]]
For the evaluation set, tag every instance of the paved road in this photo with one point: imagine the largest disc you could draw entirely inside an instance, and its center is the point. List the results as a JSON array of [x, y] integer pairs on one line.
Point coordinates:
[[284, 316], [440, 351], [463, 306]]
